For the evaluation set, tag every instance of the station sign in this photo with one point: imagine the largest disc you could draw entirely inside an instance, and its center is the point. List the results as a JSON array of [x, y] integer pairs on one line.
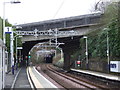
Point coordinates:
[[115, 66], [8, 30]]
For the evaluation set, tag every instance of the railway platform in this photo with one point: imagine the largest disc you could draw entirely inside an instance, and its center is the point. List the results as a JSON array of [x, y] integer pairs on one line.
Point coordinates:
[[38, 80], [22, 81], [10, 78], [28, 78], [98, 74], [17, 81]]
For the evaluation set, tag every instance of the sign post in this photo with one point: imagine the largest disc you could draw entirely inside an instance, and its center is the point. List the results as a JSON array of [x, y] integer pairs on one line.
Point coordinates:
[[8, 30]]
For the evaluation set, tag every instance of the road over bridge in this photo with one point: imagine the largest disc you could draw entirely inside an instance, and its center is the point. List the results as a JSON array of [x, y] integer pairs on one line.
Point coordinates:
[[65, 30]]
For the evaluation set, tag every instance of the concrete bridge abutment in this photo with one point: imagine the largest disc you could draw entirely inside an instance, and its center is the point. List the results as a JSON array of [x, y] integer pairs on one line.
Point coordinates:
[[70, 47]]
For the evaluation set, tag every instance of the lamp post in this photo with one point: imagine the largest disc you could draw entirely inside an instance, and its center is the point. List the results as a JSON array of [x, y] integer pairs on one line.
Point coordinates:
[[108, 54], [16, 45], [12, 2], [3, 33], [12, 38], [86, 53], [108, 49]]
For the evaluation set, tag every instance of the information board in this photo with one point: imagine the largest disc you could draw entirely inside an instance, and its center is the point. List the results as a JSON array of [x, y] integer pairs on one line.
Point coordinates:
[[115, 66]]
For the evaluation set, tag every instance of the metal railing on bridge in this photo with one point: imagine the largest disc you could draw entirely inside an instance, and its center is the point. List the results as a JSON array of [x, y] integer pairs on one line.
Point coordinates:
[[50, 32]]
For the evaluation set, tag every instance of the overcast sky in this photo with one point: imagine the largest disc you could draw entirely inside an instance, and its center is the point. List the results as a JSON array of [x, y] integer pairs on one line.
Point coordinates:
[[39, 10]]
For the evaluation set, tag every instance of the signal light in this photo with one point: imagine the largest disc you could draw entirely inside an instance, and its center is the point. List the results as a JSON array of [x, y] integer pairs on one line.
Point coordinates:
[[26, 57], [78, 63], [29, 56]]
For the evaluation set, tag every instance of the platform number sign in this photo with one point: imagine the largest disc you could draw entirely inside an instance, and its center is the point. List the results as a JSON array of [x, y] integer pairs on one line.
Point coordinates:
[[115, 66], [8, 30]]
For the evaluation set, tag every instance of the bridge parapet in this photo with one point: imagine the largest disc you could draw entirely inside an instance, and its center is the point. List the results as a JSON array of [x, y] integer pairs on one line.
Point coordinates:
[[66, 27], [62, 23]]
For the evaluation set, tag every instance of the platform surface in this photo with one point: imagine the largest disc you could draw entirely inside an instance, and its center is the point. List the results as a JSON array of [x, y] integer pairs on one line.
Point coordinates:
[[22, 80], [99, 74], [39, 80]]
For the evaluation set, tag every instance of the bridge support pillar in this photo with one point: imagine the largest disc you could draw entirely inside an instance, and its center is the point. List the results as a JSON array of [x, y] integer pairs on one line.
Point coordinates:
[[66, 61], [69, 49]]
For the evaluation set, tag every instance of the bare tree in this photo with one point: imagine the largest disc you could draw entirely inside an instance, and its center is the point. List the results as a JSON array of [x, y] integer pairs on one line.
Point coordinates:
[[100, 6]]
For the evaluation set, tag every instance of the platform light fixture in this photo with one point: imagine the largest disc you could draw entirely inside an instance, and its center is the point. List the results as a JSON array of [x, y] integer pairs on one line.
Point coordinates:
[[4, 3], [108, 47], [3, 32], [86, 53]]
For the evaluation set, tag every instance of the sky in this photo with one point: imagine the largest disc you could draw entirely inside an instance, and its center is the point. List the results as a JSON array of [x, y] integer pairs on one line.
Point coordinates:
[[29, 11]]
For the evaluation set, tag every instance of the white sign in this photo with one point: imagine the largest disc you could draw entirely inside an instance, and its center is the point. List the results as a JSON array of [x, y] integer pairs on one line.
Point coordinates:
[[8, 29], [115, 66], [19, 48]]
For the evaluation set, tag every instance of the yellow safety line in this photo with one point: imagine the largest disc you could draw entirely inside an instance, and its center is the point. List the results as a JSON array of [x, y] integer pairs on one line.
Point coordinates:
[[35, 81]]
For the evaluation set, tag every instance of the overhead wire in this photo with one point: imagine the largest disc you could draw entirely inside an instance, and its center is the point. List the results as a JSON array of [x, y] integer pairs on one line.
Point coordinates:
[[59, 8]]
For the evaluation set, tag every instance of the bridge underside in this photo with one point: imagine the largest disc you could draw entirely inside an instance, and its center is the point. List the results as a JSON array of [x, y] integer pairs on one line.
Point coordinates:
[[70, 47], [27, 46], [82, 24], [71, 44]]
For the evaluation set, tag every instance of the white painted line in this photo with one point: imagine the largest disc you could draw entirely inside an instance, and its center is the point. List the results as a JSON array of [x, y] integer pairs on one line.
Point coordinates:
[[15, 78], [34, 79], [45, 79], [28, 76]]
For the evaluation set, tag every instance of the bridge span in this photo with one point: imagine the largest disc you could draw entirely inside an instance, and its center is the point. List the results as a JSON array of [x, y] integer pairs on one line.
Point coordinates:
[[82, 24], [65, 30]]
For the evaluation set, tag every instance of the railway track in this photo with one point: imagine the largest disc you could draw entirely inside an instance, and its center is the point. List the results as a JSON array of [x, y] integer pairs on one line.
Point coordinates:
[[79, 80], [66, 80], [69, 81]]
